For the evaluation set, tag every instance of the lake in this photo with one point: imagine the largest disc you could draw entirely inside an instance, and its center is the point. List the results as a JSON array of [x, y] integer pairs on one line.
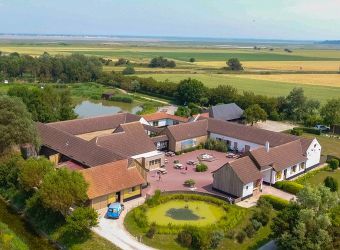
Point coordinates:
[[95, 108]]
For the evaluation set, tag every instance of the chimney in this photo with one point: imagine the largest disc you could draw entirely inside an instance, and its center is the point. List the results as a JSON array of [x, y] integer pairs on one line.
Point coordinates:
[[267, 146]]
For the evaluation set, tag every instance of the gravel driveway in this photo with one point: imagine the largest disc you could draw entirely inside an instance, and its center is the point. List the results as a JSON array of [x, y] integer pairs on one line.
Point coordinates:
[[114, 230]]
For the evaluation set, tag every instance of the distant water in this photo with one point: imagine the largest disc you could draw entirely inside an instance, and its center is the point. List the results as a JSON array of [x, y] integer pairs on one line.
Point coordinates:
[[89, 108]]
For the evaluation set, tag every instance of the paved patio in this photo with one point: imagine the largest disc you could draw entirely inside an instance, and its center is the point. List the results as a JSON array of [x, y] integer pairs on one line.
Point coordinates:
[[174, 179]]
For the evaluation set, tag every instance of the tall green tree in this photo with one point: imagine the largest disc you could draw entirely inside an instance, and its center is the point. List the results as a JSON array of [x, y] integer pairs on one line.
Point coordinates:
[[294, 104], [16, 125], [81, 220], [254, 114], [234, 64], [63, 188], [32, 172], [330, 112], [305, 223], [190, 90], [223, 94]]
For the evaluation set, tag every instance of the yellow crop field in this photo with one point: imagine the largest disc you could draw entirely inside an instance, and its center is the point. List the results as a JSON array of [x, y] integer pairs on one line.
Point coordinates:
[[279, 65], [331, 80]]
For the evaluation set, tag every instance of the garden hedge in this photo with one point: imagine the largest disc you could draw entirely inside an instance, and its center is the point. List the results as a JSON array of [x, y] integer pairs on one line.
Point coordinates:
[[277, 202], [289, 186]]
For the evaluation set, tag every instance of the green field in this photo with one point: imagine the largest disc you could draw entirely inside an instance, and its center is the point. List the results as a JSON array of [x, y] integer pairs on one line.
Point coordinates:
[[179, 212], [263, 87]]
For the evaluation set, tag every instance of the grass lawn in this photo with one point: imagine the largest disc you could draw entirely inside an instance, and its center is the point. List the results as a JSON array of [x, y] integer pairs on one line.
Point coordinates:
[[330, 146], [318, 176], [258, 86], [179, 212]]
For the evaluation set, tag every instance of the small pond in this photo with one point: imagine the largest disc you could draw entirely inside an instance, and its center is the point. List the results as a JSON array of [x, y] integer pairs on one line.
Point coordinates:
[[22, 229], [95, 108]]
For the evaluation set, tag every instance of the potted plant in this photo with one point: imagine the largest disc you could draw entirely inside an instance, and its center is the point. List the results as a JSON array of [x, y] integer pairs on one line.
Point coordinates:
[[190, 183]]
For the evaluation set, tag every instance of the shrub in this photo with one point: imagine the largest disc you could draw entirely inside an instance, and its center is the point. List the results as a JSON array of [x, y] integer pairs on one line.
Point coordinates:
[[140, 217], [190, 183], [262, 217], [201, 167], [216, 237], [277, 202], [184, 238], [256, 224], [230, 234], [289, 186], [296, 131], [155, 199], [121, 61], [151, 232], [334, 164], [216, 145], [250, 230], [192, 59], [241, 236], [129, 70], [121, 98], [331, 183], [81, 220]]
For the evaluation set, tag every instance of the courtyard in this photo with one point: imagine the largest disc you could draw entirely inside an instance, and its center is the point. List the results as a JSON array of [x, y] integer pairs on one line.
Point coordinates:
[[174, 179]]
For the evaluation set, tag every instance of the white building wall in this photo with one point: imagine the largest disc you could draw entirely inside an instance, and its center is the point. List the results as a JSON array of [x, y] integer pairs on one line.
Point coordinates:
[[267, 174], [240, 143], [313, 154], [248, 189], [143, 121]]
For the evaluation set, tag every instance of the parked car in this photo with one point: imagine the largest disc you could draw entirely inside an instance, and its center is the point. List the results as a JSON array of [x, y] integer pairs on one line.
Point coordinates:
[[322, 128], [114, 210]]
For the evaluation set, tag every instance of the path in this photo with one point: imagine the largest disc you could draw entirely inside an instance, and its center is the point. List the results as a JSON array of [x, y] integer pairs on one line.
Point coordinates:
[[144, 97], [115, 232]]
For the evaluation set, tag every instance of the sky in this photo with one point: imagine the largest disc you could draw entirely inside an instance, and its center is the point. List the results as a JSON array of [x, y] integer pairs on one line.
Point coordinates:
[[259, 19]]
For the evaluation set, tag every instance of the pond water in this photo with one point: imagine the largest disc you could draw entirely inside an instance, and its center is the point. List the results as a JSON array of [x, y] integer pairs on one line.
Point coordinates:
[[22, 229], [95, 108]]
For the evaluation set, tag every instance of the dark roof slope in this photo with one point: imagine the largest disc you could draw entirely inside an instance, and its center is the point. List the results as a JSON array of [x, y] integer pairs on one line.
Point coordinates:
[[75, 148], [226, 112], [128, 139], [279, 157], [91, 124], [249, 133], [188, 130], [111, 177]]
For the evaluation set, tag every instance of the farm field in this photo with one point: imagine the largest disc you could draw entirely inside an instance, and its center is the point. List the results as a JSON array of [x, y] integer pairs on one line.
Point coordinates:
[[331, 80], [258, 86], [278, 65]]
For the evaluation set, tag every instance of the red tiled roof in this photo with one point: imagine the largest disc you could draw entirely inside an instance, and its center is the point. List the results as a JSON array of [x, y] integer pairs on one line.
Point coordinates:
[[91, 124], [128, 139], [110, 178], [75, 148], [162, 115], [188, 130], [160, 138]]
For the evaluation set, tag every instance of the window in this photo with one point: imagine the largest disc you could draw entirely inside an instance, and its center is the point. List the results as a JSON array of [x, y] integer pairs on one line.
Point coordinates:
[[155, 123], [293, 169], [133, 189], [302, 165], [278, 175], [246, 187]]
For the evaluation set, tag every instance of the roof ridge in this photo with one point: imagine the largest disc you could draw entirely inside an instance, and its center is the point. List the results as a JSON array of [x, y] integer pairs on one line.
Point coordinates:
[[87, 118]]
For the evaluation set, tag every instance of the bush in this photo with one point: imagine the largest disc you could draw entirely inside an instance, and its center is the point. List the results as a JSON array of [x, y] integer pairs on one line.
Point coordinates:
[[190, 183], [230, 234], [256, 224], [139, 214], [216, 145], [161, 62], [151, 232], [155, 199], [241, 236], [121, 98], [201, 167], [277, 202], [121, 61], [262, 217], [331, 183], [296, 131], [334, 164], [216, 237], [81, 220], [184, 238], [250, 230], [129, 70], [289, 186]]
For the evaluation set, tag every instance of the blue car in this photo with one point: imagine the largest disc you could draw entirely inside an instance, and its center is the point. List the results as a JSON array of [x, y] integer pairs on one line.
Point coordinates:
[[114, 210]]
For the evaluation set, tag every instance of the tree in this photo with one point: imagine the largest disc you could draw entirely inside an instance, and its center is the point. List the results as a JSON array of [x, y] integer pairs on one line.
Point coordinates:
[[330, 112], [81, 220], [294, 104], [183, 111], [234, 64], [223, 94], [334, 164], [129, 70], [16, 125], [63, 188], [190, 90], [9, 169], [331, 183], [255, 113], [32, 172], [304, 224], [161, 62], [192, 60]]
